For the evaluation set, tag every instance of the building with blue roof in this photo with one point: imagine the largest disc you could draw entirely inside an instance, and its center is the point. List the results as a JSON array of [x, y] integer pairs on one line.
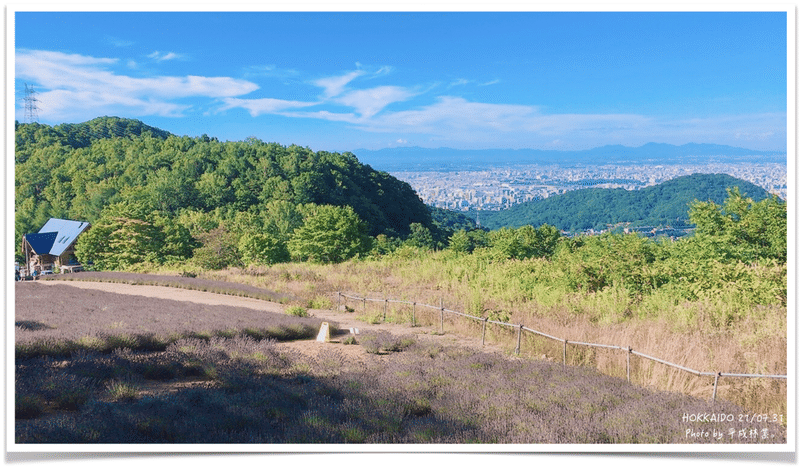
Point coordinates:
[[53, 247]]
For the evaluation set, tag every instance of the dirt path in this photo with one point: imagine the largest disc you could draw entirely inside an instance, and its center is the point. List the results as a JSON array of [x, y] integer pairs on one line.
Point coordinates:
[[310, 347]]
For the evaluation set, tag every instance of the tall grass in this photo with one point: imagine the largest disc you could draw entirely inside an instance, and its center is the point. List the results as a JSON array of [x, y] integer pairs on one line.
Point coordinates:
[[730, 330]]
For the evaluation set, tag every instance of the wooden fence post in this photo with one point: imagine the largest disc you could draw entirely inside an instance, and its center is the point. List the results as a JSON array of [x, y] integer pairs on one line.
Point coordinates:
[[716, 380], [365, 304], [338, 300], [483, 333], [414, 313], [628, 367], [385, 304], [519, 339], [565, 352], [441, 320]]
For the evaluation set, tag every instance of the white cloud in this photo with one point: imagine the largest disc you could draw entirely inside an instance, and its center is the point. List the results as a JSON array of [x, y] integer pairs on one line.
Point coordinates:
[[334, 86], [161, 56], [88, 83], [459, 82], [369, 102], [264, 105], [65, 105], [451, 114], [365, 102]]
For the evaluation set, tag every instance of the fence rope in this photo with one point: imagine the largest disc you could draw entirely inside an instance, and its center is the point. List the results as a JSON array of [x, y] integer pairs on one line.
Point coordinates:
[[628, 350]]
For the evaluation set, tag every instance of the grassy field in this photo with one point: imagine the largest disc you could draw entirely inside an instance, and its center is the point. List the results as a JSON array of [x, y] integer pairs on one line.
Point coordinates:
[[87, 378], [752, 340]]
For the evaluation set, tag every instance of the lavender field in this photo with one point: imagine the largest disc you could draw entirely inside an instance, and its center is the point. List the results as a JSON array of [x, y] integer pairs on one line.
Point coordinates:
[[96, 367]]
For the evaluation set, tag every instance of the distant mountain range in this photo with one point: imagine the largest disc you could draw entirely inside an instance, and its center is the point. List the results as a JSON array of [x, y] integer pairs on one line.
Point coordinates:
[[431, 159], [665, 204]]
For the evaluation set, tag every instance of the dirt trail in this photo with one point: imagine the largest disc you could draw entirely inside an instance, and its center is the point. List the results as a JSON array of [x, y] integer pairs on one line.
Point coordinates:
[[311, 347]]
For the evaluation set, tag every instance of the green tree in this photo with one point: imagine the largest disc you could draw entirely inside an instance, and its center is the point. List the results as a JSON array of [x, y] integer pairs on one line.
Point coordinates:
[[741, 229], [591, 263], [466, 241], [524, 242], [123, 236], [329, 234], [219, 249], [420, 237], [262, 249]]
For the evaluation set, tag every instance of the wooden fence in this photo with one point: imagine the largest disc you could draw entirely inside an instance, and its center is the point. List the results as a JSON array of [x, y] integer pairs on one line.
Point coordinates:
[[520, 328]]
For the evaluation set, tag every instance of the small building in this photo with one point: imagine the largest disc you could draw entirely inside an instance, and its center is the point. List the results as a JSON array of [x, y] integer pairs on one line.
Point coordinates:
[[53, 247]]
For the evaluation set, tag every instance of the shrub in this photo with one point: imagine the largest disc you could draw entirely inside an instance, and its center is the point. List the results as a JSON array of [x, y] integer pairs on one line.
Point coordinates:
[[320, 303], [121, 391], [297, 311], [375, 342]]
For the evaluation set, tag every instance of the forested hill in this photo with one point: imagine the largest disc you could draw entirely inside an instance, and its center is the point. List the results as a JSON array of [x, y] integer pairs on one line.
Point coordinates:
[[30, 136], [665, 204], [75, 171]]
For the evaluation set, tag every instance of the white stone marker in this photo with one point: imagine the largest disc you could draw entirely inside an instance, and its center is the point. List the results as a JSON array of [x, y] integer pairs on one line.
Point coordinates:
[[324, 333]]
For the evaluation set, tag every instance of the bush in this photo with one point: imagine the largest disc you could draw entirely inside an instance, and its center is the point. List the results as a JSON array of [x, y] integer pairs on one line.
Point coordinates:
[[375, 342], [351, 340], [320, 303], [297, 311]]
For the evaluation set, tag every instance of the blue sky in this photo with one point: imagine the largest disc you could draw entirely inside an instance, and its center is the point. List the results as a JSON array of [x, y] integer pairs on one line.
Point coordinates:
[[344, 81]]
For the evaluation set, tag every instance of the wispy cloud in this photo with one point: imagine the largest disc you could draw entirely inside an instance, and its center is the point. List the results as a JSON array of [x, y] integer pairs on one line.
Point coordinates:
[[76, 84], [261, 106], [269, 71], [73, 86], [370, 101], [459, 120], [455, 114], [162, 56], [365, 102], [86, 104], [334, 86]]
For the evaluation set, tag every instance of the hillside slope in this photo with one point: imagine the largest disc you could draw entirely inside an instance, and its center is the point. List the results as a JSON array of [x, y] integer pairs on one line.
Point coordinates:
[[74, 171], [665, 204]]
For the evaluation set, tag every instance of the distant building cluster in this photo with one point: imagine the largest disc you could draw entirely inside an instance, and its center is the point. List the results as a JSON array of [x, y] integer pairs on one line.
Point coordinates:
[[502, 187]]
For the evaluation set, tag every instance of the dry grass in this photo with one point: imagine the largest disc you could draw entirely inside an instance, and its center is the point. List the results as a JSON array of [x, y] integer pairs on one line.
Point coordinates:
[[408, 391], [684, 333], [757, 344]]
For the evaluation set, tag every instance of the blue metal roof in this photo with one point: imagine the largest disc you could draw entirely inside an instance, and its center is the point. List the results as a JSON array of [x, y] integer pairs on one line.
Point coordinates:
[[41, 243], [66, 232]]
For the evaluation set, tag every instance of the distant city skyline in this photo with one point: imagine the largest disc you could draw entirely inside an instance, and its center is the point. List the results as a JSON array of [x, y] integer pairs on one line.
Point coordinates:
[[340, 81], [505, 186]]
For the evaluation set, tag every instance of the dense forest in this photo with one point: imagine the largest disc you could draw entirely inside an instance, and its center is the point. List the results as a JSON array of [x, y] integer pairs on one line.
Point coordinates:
[[665, 204], [198, 191]]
